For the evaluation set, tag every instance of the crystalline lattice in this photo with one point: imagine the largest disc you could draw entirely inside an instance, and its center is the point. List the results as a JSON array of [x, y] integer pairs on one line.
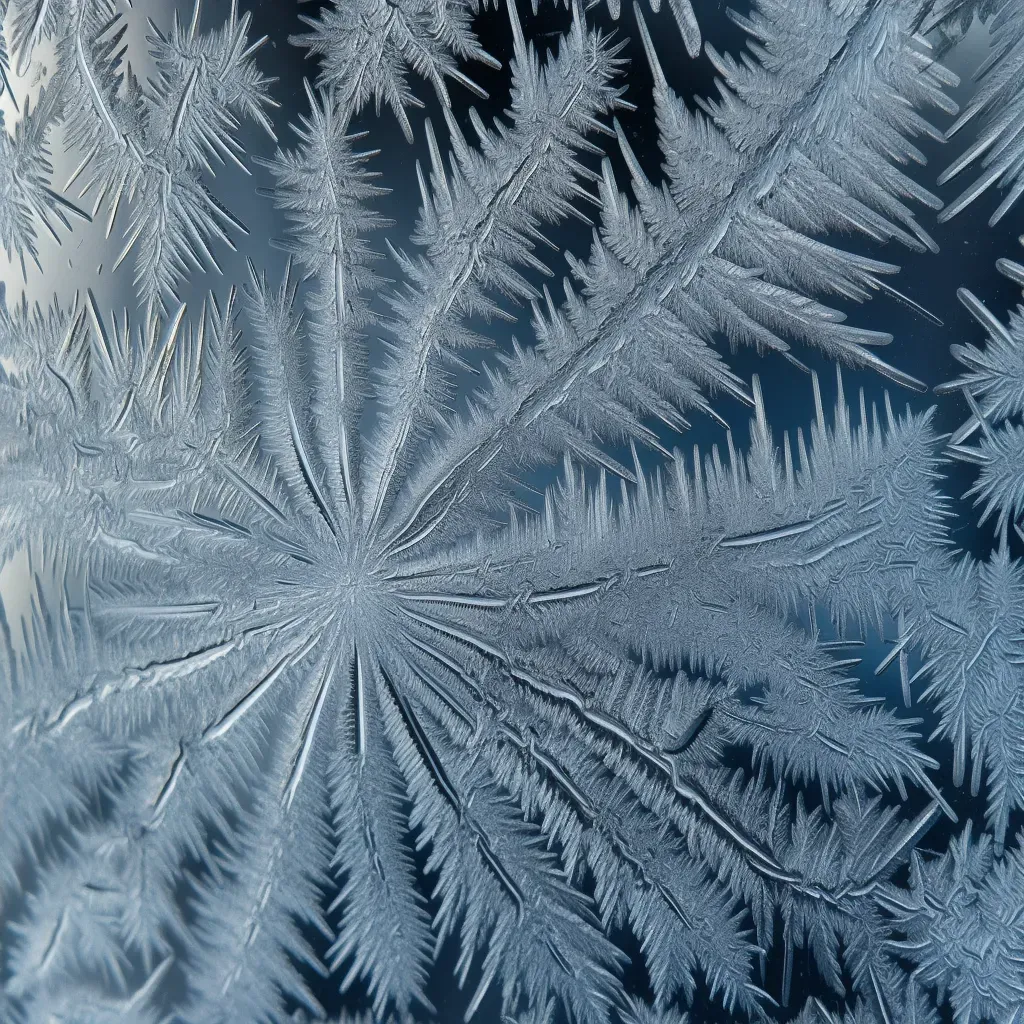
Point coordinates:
[[288, 691]]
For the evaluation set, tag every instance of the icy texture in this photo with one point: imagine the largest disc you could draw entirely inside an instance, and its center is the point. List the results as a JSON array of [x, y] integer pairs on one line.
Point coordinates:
[[294, 693], [999, 103], [142, 149], [994, 388]]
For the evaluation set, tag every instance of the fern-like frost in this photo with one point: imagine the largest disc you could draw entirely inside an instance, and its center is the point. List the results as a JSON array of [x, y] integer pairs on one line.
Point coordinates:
[[291, 697]]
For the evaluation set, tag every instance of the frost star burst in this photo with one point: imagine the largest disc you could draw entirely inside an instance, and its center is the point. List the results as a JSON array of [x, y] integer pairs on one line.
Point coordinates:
[[289, 697]]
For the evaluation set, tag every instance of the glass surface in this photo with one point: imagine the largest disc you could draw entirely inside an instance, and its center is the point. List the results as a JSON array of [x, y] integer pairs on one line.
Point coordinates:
[[512, 514]]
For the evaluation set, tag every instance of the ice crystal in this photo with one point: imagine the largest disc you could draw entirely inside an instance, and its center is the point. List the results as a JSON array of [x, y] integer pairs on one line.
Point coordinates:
[[999, 148], [294, 700]]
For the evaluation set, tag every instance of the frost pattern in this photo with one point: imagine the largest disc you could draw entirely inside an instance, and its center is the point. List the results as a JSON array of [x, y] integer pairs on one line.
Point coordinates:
[[144, 148], [994, 388], [290, 699], [999, 103]]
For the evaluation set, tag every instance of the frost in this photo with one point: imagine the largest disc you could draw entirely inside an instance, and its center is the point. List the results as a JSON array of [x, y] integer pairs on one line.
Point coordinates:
[[369, 46], [999, 104], [963, 924], [143, 148], [294, 699], [994, 388]]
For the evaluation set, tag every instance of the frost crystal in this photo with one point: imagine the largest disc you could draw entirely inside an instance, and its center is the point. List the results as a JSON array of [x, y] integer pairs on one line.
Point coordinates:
[[298, 691]]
